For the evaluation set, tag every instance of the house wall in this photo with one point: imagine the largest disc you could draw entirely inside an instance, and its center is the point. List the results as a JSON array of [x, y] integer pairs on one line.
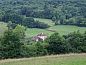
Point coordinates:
[[42, 37]]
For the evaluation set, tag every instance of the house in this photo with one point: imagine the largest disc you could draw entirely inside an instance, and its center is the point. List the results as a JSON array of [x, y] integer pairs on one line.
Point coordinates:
[[39, 37]]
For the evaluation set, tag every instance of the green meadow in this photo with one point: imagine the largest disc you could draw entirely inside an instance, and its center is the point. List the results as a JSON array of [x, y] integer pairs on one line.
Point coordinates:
[[71, 59], [65, 29], [61, 29], [34, 31], [47, 21]]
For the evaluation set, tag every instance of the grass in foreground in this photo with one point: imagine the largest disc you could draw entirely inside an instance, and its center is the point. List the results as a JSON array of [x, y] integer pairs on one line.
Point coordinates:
[[71, 59]]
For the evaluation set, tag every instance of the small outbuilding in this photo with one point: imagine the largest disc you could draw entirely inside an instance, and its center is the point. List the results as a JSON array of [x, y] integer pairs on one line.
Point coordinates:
[[39, 37]]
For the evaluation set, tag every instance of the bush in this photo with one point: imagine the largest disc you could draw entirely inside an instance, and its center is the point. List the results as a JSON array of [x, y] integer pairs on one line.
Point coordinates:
[[36, 49], [77, 42], [57, 44]]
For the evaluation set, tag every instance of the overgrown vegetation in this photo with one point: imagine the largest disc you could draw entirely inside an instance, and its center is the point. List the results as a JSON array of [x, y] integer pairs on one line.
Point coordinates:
[[13, 44]]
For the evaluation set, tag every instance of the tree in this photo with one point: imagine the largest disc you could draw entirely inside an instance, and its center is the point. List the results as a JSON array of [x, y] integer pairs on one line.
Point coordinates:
[[15, 18], [57, 44], [54, 19], [41, 49], [77, 42], [11, 43], [31, 23], [20, 31], [9, 25]]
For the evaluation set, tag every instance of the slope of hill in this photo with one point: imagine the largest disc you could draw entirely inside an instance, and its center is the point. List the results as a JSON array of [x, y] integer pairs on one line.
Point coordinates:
[[69, 59], [47, 21], [61, 29], [61, 11], [65, 29], [35, 31]]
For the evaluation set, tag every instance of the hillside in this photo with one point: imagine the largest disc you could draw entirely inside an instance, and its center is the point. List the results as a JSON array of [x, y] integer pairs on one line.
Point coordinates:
[[64, 12], [30, 32], [68, 59], [47, 21], [34, 28], [66, 29], [61, 29]]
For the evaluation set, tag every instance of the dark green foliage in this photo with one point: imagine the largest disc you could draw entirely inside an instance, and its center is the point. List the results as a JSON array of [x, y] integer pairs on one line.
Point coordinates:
[[77, 42], [19, 19], [28, 51], [57, 44], [64, 12], [15, 18], [13, 44], [10, 45], [78, 21], [71, 43], [41, 49], [36, 49], [31, 23]]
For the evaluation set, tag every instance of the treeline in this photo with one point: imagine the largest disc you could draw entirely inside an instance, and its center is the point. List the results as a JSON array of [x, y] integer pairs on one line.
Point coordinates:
[[13, 44], [64, 12], [71, 43], [22, 20], [61, 12], [77, 21]]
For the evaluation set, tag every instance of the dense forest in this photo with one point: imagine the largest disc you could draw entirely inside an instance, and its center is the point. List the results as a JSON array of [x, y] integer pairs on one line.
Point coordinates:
[[20, 14], [65, 12]]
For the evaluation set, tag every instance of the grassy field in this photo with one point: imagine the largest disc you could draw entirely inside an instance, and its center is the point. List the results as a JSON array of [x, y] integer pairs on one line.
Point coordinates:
[[47, 21], [34, 31], [65, 29], [61, 29], [71, 59]]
